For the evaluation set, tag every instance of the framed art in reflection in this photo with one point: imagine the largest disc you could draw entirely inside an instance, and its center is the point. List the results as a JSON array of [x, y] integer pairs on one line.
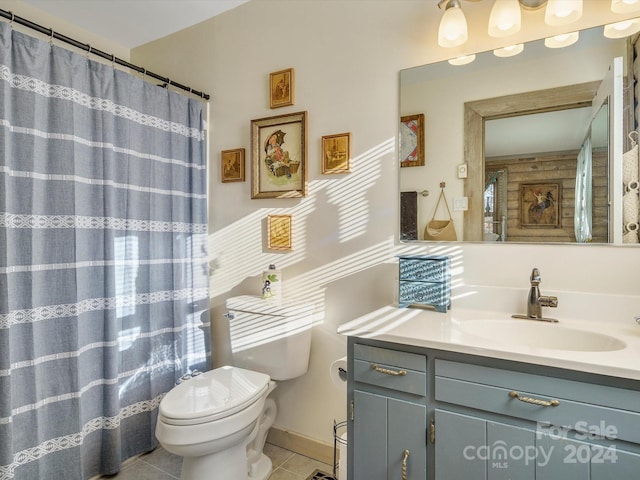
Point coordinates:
[[412, 140]]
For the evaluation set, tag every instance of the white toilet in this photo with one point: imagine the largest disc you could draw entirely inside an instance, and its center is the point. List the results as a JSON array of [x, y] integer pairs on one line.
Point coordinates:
[[218, 421]]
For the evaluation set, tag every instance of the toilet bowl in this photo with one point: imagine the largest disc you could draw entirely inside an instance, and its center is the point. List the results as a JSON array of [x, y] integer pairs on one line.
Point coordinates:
[[218, 421]]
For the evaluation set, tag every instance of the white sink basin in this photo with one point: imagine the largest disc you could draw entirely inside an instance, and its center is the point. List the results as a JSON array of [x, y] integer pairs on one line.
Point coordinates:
[[537, 334]]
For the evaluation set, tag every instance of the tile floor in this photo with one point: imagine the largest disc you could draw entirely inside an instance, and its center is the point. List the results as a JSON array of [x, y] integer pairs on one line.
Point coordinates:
[[162, 465]]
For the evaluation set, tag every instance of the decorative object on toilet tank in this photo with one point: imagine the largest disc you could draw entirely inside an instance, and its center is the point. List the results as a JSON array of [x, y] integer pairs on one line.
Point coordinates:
[[272, 283], [425, 280]]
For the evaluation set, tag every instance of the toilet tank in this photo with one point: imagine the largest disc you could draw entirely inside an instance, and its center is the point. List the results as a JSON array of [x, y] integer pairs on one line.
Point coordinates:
[[269, 337]]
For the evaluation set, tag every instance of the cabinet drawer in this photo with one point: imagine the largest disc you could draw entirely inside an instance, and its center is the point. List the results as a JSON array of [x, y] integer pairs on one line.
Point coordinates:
[[577, 406], [402, 371], [429, 293], [428, 269]]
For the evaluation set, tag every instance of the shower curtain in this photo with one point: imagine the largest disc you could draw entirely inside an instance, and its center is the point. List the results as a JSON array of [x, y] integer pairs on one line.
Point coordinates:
[[103, 259], [584, 195]]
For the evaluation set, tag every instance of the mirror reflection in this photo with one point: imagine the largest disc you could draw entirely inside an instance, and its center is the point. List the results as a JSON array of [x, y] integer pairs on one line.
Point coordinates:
[[529, 148]]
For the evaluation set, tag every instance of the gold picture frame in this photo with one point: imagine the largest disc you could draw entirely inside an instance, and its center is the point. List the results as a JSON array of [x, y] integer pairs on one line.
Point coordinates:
[[279, 156], [282, 88], [232, 165], [336, 153], [540, 205], [279, 232], [412, 140]]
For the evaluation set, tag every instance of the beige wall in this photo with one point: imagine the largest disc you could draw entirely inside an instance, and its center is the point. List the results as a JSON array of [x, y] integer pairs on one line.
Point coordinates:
[[24, 10], [347, 55]]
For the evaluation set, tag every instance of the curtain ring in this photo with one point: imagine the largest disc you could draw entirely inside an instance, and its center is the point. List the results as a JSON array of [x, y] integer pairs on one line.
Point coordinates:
[[113, 60], [51, 36], [144, 72], [89, 51], [12, 19]]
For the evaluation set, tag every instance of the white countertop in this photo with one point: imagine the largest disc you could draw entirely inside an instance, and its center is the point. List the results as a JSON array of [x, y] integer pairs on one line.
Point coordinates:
[[458, 330]]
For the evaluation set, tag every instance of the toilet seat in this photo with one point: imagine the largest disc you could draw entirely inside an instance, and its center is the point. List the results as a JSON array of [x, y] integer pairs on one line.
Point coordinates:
[[213, 395]]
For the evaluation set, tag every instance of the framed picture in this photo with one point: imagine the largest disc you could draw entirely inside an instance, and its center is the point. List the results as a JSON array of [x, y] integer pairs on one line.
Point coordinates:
[[279, 232], [540, 205], [412, 140], [279, 158], [281, 88], [336, 153], [232, 164]]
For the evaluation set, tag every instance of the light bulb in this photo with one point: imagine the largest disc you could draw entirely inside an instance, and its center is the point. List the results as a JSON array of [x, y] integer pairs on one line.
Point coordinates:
[[562, 12], [622, 29], [463, 60], [625, 6], [453, 28], [509, 51], [505, 18], [563, 40]]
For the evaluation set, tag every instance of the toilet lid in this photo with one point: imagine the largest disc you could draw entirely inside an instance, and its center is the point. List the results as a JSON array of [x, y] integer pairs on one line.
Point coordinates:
[[213, 395]]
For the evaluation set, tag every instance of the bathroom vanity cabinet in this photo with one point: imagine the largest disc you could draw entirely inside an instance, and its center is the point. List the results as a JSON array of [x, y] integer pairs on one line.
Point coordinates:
[[462, 416], [388, 414]]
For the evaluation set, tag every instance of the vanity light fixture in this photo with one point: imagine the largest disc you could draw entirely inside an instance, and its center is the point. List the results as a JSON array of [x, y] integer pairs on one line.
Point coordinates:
[[622, 29], [625, 6], [509, 51], [505, 18], [562, 40], [463, 60], [453, 24], [562, 12]]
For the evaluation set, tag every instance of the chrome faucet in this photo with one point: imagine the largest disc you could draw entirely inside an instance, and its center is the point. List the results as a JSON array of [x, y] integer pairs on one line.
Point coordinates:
[[535, 301]]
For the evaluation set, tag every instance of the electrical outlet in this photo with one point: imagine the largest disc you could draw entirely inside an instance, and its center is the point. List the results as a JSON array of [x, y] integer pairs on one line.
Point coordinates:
[[462, 170]]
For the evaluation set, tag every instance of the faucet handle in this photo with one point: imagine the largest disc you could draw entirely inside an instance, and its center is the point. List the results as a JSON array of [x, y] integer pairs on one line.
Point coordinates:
[[548, 301], [535, 276], [637, 319]]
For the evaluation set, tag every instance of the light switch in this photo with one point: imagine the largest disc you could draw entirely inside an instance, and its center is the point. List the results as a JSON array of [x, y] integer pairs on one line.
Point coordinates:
[[462, 170], [460, 204]]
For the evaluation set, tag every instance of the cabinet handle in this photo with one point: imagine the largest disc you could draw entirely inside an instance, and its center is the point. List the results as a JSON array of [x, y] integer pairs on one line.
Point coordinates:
[[386, 371], [405, 457], [534, 401]]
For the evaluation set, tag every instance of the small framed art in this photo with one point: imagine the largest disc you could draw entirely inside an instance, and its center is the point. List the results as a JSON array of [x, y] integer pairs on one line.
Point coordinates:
[[279, 159], [279, 232], [281, 88], [540, 205], [232, 162], [336, 153], [412, 140]]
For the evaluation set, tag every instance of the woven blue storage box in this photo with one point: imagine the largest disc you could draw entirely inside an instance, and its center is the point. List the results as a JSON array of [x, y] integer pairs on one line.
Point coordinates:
[[425, 280]]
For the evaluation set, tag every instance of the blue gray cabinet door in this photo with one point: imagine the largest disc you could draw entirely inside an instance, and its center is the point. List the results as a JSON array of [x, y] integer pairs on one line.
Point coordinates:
[[612, 463], [407, 440], [384, 427], [459, 439], [369, 436], [471, 447], [565, 458]]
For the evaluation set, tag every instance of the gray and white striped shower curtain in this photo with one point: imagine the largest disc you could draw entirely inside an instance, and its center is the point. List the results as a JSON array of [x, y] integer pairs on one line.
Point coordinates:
[[103, 258]]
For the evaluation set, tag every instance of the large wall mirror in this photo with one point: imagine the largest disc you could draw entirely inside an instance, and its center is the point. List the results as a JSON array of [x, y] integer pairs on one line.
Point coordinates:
[[527, 148]]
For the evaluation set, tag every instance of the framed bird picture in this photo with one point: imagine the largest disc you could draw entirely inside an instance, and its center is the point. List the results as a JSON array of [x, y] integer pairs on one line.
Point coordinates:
[[540, 205], [279, 156]]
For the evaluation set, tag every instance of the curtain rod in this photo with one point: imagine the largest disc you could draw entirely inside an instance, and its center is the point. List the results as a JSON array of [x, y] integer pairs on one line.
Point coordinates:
[[89, 49]]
